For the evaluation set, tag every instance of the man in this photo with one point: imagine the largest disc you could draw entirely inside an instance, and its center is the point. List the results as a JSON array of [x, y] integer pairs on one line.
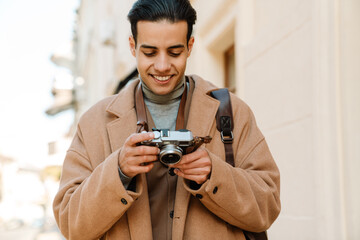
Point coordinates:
[[113, 187]]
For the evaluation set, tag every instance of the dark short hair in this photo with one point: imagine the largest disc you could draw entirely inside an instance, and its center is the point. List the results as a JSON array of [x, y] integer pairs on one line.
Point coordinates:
[[157, 10]]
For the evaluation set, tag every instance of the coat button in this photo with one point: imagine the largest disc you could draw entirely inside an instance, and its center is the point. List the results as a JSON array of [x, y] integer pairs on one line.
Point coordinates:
[[123, 200], [199, 196], [215, 190], [171, 214]]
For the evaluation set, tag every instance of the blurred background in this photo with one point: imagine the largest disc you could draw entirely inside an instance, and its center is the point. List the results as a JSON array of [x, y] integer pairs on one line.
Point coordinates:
[[32, 143], [295, 62]]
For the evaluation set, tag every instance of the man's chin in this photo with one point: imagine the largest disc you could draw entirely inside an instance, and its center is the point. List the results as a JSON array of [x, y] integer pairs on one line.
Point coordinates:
[[161, 92]]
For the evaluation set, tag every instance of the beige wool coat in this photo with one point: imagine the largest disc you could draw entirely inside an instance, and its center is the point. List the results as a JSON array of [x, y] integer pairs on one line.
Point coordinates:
[[92, 203]]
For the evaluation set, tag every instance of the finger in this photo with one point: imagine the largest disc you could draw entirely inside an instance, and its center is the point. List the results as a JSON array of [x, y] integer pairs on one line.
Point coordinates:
[[139, 160], [131, 151], [196, 171], [135, 138], [191, 157], [145, 150], [193, 163], [135, 170], [146, 159], [199, 179], [135, 161], [183, 161]]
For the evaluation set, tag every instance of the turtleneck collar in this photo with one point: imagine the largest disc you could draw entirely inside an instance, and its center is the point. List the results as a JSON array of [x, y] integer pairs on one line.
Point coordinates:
[[163, 99]]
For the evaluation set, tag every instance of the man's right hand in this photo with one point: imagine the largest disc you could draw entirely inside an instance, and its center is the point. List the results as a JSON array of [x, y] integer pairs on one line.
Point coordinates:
[[136, 159]]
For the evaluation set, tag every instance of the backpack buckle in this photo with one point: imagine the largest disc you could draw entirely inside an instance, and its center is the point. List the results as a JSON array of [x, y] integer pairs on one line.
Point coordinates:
[[227, 139]]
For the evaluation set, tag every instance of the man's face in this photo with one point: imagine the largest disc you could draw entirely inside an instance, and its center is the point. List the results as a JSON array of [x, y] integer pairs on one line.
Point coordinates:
[[161, 53]]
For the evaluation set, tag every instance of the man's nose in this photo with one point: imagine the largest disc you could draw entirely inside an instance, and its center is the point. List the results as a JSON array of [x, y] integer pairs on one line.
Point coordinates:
[[162, 63]]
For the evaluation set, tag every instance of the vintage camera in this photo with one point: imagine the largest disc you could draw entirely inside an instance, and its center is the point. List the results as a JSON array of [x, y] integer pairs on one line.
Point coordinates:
[[174, 144]]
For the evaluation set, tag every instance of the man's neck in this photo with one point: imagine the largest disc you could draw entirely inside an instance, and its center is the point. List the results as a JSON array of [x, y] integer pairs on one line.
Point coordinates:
[[164, 99]]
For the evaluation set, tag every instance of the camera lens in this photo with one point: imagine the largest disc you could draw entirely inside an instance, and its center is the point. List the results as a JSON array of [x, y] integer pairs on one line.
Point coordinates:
[[170, 154], [170, 158]]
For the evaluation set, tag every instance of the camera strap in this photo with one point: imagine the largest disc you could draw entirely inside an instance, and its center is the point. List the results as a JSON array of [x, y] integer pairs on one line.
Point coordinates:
[[224, 123], [140, 110], [142, 123]]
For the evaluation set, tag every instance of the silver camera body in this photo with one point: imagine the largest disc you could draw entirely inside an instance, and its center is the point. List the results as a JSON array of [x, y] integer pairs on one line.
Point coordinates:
[[172, 144]]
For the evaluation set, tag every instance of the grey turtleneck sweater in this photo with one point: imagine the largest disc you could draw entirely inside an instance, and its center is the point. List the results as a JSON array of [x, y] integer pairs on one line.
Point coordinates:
[[164, 108]]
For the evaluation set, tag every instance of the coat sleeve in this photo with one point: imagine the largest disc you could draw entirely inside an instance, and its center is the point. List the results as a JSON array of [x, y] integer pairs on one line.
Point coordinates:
[[90, 199], [247, 195]]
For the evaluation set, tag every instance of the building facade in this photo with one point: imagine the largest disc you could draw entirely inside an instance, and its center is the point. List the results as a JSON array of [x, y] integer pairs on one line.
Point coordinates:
[[295, 62]]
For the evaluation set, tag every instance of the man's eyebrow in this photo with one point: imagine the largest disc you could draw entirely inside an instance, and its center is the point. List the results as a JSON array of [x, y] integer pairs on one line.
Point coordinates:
[[177, 46], [171, 47], [147, 46]]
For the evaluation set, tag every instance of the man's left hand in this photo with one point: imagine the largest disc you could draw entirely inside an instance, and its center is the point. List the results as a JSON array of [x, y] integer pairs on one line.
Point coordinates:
[[195, 166]]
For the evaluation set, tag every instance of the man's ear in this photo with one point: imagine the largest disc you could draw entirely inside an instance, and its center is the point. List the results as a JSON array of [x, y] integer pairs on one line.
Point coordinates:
[[190, 45], [132, 45]]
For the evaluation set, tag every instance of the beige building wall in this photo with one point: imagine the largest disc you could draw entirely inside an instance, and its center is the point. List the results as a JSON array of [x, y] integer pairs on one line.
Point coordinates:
[[349, 79], [296, 65], [101, 48]]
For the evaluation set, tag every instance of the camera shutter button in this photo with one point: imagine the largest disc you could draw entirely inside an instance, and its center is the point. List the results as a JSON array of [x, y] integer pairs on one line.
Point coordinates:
[[156, 135]]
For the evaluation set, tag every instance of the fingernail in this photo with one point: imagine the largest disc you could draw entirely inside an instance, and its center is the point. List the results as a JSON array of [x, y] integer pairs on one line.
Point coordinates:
[[151, 134]]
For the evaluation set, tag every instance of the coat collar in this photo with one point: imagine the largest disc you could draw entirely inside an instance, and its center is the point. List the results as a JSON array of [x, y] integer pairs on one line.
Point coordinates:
[[123, 102], [203, 108], [122, 106]]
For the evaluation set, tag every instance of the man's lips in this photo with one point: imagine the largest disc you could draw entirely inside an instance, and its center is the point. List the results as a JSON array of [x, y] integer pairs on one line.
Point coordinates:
[[161, 78]]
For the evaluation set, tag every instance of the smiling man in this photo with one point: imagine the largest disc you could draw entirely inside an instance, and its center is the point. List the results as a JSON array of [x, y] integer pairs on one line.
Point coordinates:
[[113, 185]]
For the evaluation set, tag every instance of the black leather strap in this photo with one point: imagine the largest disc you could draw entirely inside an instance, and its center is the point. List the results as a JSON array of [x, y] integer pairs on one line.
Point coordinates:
[[224, 122]]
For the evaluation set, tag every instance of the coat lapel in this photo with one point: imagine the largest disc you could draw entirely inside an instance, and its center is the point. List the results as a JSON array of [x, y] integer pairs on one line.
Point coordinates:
[[125, 123], [118, 131], [202, 114], [203, 110]]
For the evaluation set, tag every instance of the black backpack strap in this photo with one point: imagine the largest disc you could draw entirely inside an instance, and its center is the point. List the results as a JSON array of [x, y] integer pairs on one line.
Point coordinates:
[[225, 125], [224, 122]]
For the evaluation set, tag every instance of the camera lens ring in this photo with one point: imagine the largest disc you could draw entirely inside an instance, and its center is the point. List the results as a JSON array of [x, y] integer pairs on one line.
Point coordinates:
[[170, 154]]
